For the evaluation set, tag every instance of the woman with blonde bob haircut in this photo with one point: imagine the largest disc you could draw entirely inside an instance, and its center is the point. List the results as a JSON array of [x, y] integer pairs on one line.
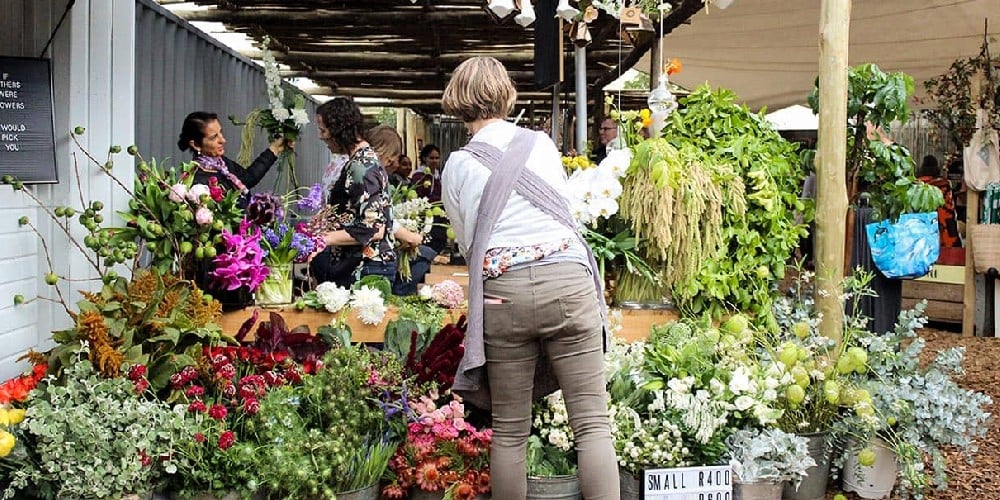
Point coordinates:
[[536, 308]]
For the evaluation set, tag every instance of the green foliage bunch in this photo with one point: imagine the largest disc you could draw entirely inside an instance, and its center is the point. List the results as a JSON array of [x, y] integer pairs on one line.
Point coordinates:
[[154, 320], [875, 164], [93, 437], [757, 238], [162, 214], [918, 408], [955, 112], [330, 435]]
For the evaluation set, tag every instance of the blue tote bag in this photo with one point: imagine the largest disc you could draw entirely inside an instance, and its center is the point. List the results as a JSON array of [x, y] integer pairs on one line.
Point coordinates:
[[907, 248]]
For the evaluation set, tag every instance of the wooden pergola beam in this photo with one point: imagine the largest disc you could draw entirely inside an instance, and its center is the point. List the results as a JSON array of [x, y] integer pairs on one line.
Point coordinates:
[[387, 60], [390, 74], [409, 94], [327, 17]]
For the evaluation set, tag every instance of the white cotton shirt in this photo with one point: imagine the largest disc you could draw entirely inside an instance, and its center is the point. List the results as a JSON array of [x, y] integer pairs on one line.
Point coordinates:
[[520, 223]]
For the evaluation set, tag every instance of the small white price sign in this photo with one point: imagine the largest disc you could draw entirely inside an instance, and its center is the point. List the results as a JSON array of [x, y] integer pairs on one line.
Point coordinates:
[[688, 483]]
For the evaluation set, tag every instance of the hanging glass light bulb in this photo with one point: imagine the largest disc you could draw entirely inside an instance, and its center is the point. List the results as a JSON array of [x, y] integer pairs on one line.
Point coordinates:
[[502, 8], [566, 11], [527, 15], [661, 99]]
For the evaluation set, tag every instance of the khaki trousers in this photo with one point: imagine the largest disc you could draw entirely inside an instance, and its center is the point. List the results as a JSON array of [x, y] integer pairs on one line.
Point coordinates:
[[552, 310]]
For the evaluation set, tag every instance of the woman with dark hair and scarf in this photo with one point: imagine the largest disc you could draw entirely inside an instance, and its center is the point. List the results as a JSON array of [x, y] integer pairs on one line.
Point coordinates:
[[201, 133]]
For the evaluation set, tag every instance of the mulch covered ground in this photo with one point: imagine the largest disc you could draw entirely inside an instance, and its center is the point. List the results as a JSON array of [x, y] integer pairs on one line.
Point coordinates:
[[981, 478]]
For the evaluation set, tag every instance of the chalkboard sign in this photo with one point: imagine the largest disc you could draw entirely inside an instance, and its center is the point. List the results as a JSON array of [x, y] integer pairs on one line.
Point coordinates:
[[27, 142]]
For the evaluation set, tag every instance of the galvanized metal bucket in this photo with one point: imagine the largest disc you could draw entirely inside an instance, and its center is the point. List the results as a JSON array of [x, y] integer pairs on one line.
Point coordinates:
[[554, 488]]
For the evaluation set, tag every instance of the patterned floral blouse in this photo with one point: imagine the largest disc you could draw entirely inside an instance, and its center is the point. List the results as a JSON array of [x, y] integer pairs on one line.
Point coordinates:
[[498, 260], [360, 202]]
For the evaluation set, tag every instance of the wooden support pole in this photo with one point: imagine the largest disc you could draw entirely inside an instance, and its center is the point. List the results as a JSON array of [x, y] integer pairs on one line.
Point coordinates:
[[831, 192], [969, 288]]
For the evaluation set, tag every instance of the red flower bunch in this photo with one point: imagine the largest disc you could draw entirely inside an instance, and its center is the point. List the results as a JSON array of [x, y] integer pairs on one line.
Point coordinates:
[[228, 385], [439, 362], [137, 374], [442, 452], [16, 390]]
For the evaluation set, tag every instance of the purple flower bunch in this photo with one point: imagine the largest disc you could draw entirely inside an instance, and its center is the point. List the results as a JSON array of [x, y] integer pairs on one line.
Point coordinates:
[[284, 244], [242, 262], [312, 201]]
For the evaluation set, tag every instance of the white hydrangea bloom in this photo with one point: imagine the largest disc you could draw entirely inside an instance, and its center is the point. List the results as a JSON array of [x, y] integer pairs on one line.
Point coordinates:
[[333, 297], [300, 117], [281, 113], [368, 304]]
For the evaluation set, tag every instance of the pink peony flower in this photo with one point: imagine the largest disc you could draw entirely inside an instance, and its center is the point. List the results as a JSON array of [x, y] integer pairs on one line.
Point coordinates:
[[194, 391], [203, 216], [197, 406], [196, 192], [177, 193]]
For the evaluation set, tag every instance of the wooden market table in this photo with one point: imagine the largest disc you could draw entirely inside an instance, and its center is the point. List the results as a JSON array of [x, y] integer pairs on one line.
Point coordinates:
[[636, 323]]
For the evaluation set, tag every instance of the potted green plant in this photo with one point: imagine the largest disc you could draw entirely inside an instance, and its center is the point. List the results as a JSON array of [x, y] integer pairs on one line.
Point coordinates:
[[823, 387], [86, 436], [551, 456], [762, 460], [918, 408], [876, 165]]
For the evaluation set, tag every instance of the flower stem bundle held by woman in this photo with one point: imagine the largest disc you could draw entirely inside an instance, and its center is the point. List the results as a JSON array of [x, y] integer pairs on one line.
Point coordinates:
[[201, 133], [354, 225], [533, 294]]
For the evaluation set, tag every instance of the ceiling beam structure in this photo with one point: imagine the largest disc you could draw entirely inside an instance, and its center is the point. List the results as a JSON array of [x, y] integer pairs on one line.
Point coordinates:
[[405, 53]]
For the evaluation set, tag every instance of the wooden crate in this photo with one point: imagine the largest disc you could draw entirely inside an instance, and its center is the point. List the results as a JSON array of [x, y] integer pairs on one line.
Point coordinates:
[[636, 324], [944, 300]]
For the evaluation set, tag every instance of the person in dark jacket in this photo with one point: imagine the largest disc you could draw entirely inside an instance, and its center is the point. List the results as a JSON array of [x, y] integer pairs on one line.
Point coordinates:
[[201, 134]]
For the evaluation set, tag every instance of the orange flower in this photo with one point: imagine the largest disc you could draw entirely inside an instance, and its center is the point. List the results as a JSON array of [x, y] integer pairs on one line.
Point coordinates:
[[674, 66], [463, 491], [428, 476], [483, 485]]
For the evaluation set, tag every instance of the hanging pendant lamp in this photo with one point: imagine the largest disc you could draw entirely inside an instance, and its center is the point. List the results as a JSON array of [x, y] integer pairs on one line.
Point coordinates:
[[566, 11], [502, 8], [527, 15]]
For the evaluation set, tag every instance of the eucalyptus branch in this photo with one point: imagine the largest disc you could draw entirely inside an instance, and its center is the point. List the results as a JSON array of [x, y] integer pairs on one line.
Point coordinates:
[[65, 229], [48, 259], [79, 181], [103, 167]]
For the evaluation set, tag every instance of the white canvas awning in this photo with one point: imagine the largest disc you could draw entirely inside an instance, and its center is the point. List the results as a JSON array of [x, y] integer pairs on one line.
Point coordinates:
[[794, 117], [768, 50]]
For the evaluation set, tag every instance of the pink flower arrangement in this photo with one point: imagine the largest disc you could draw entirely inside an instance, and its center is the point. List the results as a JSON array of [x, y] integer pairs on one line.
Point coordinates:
[[448, 294], [242, 263], [442, 452]]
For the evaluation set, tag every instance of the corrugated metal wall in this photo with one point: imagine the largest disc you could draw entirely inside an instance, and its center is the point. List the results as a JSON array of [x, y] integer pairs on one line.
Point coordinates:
[[180, 69], [448, 136]]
